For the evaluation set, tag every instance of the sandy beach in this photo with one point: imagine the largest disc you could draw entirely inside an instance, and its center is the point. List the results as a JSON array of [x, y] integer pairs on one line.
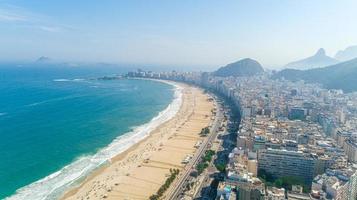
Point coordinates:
[[138, 172]]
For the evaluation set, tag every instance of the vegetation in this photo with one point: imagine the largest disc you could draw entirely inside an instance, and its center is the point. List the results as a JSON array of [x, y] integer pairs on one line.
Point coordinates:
[[221, 167], [189, 186], [244, 67], [339, 76], [265, 176], [166, 185], [200, 167], [204, 132], [288, 181], [208, 156], [285, 182]]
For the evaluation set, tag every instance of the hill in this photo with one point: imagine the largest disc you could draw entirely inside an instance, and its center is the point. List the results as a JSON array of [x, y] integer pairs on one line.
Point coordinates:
[[244, 67], [347, 54], [340, 76], [320, 59]]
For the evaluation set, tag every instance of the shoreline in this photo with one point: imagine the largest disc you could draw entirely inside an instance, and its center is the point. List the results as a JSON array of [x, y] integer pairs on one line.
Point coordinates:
[[49, 187], [149, 158]]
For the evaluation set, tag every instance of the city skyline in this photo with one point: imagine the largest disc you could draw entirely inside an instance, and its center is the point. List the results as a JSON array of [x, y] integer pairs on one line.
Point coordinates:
[[208, 33]]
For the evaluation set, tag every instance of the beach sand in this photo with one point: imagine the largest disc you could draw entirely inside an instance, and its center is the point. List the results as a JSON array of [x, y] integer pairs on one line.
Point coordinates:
[[138, 172]]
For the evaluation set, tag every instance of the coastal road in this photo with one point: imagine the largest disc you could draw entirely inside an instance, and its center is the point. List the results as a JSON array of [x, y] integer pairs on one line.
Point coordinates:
[[176, 189]]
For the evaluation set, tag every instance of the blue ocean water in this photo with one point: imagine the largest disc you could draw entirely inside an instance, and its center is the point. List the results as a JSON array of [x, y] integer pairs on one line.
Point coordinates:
[[49, 117]]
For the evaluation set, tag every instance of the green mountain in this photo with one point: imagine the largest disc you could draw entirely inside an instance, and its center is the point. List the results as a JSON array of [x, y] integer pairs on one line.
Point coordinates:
[[245, 67], [340, 76]]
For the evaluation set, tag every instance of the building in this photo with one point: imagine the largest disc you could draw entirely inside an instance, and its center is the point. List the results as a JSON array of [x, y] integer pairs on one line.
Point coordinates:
[[297, 113], [224, 192], [352, 187], [259, 143], [247, 112], [275, 193], [350, 148], [290, 145], [337, 184], [298, 196], [341, 137], [282, 163], [250, 192], [296, 193], [245, 142], [252, 166]]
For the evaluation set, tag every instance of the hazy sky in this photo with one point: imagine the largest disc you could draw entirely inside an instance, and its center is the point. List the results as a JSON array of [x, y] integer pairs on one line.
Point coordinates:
[[182, 32]]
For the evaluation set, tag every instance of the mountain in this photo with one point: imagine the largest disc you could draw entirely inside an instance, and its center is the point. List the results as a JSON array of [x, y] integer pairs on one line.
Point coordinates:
[[43, 59], [320, 59], [340, 76], [244, 67], [347, 54]]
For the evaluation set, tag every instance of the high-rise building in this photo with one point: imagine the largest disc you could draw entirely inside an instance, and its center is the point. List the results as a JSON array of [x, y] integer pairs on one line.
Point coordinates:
[[259, 143], [283, 163], [352, 189], [297, 113], [350, 148]]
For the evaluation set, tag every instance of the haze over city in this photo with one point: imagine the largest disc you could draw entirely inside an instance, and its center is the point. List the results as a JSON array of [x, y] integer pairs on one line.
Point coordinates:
[[178, 100], [181, 33]]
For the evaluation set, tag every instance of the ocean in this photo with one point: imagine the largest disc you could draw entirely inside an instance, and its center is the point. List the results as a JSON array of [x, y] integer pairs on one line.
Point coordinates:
[[57, 124]]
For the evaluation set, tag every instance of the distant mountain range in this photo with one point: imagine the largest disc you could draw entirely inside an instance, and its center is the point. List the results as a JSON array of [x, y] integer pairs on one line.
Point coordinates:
[[339, 76], [244, 67], [320, 59], [347, 54]]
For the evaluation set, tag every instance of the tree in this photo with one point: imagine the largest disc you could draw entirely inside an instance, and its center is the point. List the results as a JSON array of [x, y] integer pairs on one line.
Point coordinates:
[[221, 167]]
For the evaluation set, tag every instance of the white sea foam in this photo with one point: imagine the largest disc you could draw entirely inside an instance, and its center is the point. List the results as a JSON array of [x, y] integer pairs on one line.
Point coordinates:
[[78, 79], [54, 185], [53, 100], [66, 80], [61, 80], [72, 80]]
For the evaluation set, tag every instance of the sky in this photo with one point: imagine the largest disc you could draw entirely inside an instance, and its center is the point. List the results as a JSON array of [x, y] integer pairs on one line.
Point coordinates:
[[183, 32]]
